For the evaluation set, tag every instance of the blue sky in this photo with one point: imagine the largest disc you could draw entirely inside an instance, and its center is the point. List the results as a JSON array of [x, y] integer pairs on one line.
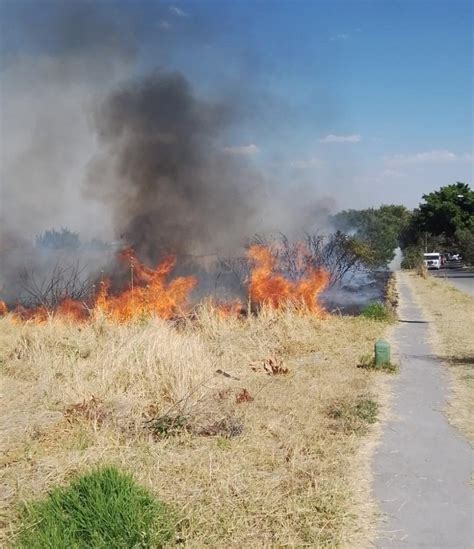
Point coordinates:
[[365, 101]]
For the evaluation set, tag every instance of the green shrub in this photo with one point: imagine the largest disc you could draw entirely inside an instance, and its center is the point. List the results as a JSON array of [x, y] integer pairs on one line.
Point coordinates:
[[412, 258], [102, 509], [376, 311]]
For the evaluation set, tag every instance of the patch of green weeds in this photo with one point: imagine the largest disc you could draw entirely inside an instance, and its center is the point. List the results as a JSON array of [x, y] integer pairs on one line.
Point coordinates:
[[366, 410], [102, 509], [168, 425], [377, 311], [223, 443], [354, 416], [368, 362]]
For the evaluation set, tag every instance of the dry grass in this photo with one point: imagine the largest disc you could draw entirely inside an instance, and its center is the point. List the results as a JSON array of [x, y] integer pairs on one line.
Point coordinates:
[[451, 313], [256, 457]]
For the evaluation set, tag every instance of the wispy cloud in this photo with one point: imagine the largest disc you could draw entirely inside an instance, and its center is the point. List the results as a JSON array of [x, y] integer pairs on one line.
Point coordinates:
[[339, 37], [164, 25], [331, 138], [426, 157], [306, 164], [242, 150], [389, 173], [178, 12]]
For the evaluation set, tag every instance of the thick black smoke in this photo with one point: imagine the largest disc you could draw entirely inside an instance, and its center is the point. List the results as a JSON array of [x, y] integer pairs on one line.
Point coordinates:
[[164, 171]]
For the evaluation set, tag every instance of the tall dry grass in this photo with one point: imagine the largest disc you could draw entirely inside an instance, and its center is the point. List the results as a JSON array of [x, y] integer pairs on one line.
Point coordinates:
[[282, 467]]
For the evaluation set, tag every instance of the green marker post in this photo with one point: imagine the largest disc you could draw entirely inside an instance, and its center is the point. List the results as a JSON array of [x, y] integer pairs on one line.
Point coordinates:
[[382, 352]]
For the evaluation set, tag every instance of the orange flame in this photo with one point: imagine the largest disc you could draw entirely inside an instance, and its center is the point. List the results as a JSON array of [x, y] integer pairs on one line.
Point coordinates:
[[37, 314], [231, 308], [148, 294], [3, 308], [268, 288]]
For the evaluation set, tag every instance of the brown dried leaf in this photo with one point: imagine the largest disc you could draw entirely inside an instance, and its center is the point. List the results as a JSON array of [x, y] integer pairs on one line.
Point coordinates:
[[243, 396], [272, 366], [92, 410]]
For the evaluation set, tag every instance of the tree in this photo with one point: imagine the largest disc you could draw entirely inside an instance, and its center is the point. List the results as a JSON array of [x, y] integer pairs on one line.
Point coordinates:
[[379, 228], [447, 211], [444, 221], [336, 253], [58, 240]]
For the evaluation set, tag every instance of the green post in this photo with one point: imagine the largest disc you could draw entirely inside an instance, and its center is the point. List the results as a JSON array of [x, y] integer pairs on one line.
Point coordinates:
[[382, 352]]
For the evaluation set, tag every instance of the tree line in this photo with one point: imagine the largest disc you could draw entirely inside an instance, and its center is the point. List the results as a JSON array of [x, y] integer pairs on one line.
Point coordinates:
[[443, 222]]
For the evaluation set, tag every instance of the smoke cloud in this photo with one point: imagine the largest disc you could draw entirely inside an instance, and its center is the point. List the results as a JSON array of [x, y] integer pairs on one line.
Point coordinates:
[[93, 140], [164, 172], [53, 72]]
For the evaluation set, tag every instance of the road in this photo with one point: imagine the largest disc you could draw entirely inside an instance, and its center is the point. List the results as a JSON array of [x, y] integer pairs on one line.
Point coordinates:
[[462, 280], [423, 465]]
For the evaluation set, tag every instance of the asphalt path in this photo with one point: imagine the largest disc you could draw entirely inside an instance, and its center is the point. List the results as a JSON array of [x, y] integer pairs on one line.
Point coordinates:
[[423, 465], [461, 279]]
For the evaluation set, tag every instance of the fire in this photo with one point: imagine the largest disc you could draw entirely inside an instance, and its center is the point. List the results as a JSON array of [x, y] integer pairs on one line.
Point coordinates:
[[269, 288], [151, 292], [231, 308], [148, 293], [72, 310]]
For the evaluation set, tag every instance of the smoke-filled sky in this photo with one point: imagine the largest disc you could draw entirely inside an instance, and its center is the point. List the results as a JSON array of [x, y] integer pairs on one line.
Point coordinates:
[[116, 114]]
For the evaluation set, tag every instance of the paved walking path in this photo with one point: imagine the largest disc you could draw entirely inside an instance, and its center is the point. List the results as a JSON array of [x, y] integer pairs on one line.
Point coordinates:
[[423, 465]]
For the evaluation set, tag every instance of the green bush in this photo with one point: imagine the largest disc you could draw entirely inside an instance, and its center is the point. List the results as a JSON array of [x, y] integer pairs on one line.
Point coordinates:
[[102, 509], [412, 258], [376, 311]]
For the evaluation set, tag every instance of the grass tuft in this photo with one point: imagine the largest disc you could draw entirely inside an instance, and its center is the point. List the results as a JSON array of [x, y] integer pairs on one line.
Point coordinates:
[[377, 311], [101, 509], [354, 416], [368, 362]]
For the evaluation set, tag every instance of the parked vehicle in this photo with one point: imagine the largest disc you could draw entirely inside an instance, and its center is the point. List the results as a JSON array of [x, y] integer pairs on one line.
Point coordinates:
[[432, 260]]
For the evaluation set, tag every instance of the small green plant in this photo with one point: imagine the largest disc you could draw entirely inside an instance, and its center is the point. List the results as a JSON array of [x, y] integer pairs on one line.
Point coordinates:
[[102, 509], [366, 410], [354, 416], [168, 425], [368, 362], [377, 311]]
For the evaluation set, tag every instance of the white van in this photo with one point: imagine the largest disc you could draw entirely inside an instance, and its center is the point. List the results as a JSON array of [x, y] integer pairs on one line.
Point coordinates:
[[432, 260]]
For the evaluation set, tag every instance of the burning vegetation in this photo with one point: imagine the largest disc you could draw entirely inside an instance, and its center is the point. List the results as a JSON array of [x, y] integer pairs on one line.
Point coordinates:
[[155, 292], [267, 287]]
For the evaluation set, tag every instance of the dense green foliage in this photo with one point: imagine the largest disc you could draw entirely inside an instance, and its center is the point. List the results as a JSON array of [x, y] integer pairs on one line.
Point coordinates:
[[378, 228], [447, 211], [444, 221], [102, 509]]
